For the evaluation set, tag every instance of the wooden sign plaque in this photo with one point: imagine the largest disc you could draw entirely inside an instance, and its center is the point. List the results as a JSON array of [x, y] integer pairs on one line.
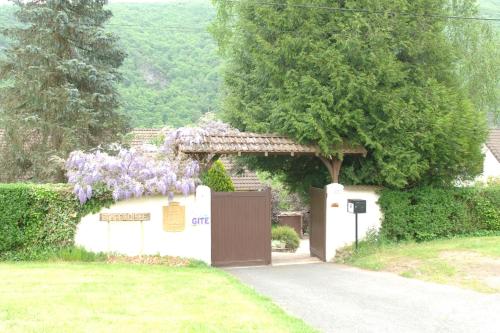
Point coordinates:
[[174, 217], [124, 217]]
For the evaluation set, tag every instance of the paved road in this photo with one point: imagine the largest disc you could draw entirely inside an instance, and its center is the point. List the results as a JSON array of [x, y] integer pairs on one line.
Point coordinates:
[[335, 298]]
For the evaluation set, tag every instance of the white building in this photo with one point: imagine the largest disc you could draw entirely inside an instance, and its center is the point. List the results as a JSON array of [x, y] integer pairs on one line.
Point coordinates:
[[491, 166]]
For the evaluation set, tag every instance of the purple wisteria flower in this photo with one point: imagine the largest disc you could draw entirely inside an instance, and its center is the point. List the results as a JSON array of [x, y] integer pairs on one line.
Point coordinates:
[[147, 170]]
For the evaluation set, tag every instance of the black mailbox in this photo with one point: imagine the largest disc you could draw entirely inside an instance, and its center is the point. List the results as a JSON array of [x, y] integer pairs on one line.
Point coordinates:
[[356, 206]]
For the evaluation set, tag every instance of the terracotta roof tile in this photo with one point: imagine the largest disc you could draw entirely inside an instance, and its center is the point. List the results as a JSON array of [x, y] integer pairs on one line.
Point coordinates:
[[247, 143], [493, 142], [247, 183]]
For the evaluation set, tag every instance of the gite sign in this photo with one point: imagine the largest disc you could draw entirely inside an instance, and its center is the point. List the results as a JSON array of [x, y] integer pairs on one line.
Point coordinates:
[[200, 220]]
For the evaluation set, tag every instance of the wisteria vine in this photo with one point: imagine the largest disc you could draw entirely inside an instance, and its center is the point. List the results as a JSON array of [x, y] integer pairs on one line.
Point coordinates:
[[136, 172]]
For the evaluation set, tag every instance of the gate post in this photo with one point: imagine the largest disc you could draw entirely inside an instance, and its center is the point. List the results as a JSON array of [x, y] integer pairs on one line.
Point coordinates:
[[340, 224], [204, 210], [335, 219]]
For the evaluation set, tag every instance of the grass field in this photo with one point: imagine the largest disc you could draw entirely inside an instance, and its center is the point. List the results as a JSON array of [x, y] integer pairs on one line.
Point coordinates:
[[100, 297], [472, 263]]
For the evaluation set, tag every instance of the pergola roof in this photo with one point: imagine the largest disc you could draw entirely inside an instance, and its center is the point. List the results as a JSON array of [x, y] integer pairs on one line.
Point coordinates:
[[241, 143], [243, 179], [246, 143], [253, 143]]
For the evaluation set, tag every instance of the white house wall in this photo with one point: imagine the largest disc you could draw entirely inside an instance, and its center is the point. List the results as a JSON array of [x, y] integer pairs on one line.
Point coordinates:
[[149, 237], [491, 167]]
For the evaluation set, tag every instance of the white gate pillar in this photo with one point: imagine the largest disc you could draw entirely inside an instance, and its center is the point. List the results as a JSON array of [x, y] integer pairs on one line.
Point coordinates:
[[340, 225], [204, 210], [335, 218]]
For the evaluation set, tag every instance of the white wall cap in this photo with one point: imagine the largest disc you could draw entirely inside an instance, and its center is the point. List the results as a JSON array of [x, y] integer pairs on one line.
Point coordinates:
[[334, 188]]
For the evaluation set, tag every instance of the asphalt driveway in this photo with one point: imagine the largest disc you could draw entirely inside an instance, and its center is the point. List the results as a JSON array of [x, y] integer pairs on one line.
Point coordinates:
[[335, 298]]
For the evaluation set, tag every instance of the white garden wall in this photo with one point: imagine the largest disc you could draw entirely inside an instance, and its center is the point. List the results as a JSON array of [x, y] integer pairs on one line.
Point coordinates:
[[149, 237], [340, 225]]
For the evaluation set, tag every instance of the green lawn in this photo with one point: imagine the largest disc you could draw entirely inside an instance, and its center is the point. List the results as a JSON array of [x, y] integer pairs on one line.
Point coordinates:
[[100, 297], [472, 263]]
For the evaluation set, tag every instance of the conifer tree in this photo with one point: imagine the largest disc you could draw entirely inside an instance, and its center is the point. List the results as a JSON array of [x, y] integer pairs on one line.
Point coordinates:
[[61, 71], [217, 178], [381, 74]]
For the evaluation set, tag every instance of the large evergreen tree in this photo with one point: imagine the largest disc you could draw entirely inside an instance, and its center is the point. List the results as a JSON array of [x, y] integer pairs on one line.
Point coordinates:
[[383, 80], [61, 74]]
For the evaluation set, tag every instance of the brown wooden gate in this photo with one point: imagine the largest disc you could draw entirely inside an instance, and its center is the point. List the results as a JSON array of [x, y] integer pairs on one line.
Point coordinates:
[[241, 228], [317, 228]]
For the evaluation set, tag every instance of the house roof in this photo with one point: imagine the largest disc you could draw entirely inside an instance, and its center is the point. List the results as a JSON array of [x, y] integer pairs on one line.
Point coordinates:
[[243, 179], [493, 143], [141, 136]]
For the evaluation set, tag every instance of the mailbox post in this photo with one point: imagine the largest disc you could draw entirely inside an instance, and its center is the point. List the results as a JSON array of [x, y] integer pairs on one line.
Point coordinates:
[[356, 206]]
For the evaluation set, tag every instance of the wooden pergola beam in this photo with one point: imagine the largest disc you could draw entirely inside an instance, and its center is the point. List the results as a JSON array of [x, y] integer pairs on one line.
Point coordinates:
[[210, 160], [333, 165]]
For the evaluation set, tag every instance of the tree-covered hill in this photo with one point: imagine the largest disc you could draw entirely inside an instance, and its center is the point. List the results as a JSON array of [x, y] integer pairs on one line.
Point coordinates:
[[171, 75]]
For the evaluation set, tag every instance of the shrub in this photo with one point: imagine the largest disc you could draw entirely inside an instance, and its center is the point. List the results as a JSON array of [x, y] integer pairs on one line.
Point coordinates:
[[217, 178], [427, 213], [36, 220], [287, 235], [282, 198]]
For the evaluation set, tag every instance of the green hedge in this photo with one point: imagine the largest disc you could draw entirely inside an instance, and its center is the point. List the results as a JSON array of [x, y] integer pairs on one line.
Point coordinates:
[[429, 213], [38, 219]]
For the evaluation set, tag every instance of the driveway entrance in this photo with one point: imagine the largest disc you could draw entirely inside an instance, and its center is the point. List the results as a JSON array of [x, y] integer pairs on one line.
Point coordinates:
[[299, 257], [335, 298]]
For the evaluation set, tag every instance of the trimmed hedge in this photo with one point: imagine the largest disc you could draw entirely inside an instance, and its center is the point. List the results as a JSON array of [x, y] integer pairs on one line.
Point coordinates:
[[428, 213], [217, 178], [287, 235], [36, 220]]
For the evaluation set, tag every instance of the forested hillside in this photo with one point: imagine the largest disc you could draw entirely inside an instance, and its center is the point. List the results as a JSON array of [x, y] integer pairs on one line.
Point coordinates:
[[171, 75]]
